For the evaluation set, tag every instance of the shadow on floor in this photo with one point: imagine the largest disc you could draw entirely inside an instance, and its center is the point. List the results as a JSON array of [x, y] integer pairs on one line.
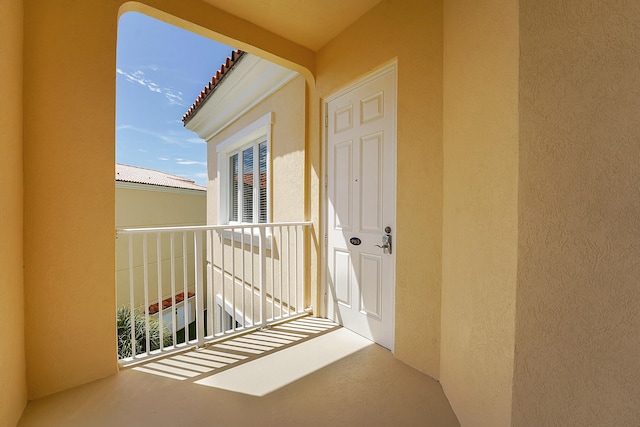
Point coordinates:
[[216, 358], [328, 377]]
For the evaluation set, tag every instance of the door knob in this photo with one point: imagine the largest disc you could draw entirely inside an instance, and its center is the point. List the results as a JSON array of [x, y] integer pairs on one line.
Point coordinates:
[[386, 243]]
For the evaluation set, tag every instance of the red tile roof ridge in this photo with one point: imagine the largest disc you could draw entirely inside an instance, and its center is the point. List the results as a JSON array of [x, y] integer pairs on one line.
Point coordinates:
[[167, 302], [141, 175], [227, 66]]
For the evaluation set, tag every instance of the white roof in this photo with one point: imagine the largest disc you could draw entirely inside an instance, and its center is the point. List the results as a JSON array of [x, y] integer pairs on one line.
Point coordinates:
[[126, 173]]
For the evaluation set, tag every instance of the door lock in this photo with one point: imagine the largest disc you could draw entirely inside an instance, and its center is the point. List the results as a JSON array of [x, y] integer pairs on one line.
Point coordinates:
[[386, 241]]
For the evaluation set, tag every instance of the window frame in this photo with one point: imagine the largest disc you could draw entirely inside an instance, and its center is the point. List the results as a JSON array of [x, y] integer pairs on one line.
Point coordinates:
[[252, 135], [237, 210]]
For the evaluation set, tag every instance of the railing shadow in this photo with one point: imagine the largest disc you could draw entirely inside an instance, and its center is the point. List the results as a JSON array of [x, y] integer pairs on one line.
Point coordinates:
[[196, 365]]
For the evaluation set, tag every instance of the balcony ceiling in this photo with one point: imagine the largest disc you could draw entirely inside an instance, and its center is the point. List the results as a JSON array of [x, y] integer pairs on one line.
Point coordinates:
[[310, 23]]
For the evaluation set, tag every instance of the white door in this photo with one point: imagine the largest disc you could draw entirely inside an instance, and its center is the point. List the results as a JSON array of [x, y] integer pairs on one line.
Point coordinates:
[[361, 184]]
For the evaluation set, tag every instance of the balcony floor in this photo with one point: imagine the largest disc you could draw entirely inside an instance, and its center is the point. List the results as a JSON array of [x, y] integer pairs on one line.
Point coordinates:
[[305, 373]]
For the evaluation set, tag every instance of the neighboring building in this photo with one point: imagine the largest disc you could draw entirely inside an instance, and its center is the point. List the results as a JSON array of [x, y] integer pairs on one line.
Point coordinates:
[[151, 198]]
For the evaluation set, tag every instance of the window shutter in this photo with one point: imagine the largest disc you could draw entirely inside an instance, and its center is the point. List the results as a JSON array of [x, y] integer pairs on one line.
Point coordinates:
[[247, 185]]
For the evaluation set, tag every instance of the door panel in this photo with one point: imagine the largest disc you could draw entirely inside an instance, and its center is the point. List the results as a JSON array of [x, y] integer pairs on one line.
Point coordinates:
[[343, 118], [371, 279], [361, 180], [371, 177], [343, 170], [342, 260]]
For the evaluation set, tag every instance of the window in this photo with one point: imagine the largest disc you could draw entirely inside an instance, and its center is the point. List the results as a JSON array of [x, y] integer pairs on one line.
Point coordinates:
[[247, 192], [243, 164]]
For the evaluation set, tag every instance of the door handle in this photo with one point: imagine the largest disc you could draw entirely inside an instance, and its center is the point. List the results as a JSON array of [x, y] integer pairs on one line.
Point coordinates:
[[386, 244]]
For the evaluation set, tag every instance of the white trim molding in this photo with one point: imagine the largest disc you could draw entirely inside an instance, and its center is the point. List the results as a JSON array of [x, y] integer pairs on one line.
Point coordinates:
[[250, 81], [159, 188], [256, 132], [257, 129]]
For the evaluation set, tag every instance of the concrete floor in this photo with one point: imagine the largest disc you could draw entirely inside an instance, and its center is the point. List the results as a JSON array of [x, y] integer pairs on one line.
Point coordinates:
[[305, 373]]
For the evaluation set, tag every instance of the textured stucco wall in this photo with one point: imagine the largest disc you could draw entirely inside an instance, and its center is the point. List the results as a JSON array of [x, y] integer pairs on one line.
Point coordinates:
[[578, 322], [575, 360], [480, 208], [149, 208], [13, 392], [412, 32], [69, 221]]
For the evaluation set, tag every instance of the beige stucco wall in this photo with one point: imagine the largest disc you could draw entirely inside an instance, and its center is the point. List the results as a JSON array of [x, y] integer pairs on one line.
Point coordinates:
[[147, 206], [577, 345], [287, 198], [13, 392], [411, 33], [69, 210], [480, 232], [575, 348]]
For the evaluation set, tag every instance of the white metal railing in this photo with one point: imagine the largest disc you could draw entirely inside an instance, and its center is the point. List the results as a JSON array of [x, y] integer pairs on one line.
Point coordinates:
[[254, 276]]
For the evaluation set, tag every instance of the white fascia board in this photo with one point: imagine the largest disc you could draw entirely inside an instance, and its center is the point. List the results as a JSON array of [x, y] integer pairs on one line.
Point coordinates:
[[250, 81], [159, 188]]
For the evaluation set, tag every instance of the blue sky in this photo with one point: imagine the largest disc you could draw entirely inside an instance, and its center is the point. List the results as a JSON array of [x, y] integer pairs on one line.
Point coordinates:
[[160, 71]]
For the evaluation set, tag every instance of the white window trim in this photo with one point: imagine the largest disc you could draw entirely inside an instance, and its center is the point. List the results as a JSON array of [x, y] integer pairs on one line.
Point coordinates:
[[228, 311], [259, 130]]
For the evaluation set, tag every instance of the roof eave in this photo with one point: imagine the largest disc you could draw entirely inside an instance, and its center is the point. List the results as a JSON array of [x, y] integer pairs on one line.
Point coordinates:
[[215, 82]]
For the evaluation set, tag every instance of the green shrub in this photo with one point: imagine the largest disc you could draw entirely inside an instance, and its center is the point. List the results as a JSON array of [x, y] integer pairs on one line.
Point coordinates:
[[123, 319]]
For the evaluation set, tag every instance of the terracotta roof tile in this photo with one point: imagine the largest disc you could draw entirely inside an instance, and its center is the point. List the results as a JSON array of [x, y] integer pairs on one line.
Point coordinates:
[[166, 303], [228, 65], [138, 175]]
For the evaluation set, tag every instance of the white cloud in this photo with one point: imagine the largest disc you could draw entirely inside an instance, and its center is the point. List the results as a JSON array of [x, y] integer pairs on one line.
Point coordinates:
[[190, 162], [166, 138], [138, 76], [169, 137], [163, 158], [173, 97], [154, 87]]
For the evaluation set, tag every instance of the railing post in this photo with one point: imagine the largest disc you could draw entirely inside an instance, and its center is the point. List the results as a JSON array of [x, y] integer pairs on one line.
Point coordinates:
[[132, 299], [198, 267], [262, 268], [210, 282], [145, 264], [160, 305]]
